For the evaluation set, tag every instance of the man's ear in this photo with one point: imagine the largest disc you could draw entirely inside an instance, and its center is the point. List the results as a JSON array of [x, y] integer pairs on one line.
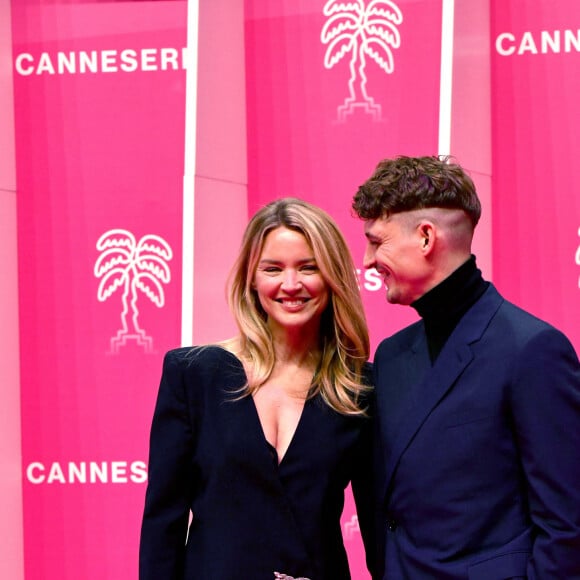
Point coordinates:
[[427, 236]]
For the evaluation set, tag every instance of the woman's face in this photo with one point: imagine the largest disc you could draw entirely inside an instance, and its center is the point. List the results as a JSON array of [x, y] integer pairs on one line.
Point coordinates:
[[289, 284]]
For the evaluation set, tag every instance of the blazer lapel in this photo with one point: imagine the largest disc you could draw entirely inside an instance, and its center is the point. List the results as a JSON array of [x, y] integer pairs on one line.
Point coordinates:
[[433, 384], [423, 398]]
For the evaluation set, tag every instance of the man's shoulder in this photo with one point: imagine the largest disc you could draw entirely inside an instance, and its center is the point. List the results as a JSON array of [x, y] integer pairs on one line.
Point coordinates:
[[517, 326], [402, 339], [524, 320]]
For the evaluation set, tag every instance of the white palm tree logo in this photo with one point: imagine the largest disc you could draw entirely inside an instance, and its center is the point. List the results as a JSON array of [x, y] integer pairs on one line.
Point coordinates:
[[363, 31], [125, 263]]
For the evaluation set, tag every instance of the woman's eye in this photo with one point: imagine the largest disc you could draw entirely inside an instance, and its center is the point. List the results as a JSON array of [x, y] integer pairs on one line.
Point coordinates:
[[310, 268]]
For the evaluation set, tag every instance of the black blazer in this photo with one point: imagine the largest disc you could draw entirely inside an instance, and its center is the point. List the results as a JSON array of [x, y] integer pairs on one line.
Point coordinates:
[[251, 516], [479, 454]]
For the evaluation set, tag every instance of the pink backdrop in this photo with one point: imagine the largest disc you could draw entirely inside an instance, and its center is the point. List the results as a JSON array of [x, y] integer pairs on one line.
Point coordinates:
[[536, 196], [102, 150], [11, 530], [99, 156]]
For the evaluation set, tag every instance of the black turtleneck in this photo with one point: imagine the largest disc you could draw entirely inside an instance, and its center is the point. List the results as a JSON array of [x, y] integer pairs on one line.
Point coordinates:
[[443, 306]]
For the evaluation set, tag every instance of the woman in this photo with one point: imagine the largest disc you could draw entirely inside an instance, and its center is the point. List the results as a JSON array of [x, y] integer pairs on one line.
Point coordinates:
[[259, 435]]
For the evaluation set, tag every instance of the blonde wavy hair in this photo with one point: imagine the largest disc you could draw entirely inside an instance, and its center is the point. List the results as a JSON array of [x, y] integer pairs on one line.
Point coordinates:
[[344, 341]]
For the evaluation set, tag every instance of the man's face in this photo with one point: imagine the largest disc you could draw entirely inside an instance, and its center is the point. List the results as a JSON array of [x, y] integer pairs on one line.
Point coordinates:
[[394, 249]]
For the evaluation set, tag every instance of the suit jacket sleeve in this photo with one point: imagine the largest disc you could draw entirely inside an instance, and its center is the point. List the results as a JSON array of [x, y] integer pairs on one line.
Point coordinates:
[[363, 484], [168, 496], [546, 415]]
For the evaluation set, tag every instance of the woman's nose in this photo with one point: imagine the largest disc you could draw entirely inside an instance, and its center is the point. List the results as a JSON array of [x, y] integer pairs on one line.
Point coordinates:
[[291, 281]]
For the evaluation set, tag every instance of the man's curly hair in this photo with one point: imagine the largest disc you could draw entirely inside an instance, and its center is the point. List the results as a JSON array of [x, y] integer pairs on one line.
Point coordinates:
[[410, 183]]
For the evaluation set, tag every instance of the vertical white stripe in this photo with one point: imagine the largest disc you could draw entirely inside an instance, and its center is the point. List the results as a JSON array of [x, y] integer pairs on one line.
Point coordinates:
[[189, 173], [446, 81]]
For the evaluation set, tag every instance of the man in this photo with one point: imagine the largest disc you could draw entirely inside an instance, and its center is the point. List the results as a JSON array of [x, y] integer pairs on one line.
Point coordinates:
[[478, 403]]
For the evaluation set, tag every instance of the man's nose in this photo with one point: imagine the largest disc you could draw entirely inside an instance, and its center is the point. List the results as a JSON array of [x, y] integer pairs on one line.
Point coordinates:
[[369, 257]]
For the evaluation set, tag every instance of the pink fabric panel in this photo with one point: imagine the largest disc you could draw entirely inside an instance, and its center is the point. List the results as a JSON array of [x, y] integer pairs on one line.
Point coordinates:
[[306, 140], [471, 113], [221, 207], [536, 202], [100, 156], [11, 549]]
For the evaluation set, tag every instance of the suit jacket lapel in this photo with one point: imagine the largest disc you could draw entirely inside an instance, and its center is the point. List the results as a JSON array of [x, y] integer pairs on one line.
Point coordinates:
[[423, 398], [436, 382]]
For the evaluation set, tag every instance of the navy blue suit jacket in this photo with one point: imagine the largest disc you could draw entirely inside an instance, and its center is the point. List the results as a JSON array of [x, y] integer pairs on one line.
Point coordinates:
[[251, 516], [478, 455]]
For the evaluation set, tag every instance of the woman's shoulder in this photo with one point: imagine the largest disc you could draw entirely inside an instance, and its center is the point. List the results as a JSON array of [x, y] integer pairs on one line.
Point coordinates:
[[196, 370], [366, 397], [368, 373], [203, 356]]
